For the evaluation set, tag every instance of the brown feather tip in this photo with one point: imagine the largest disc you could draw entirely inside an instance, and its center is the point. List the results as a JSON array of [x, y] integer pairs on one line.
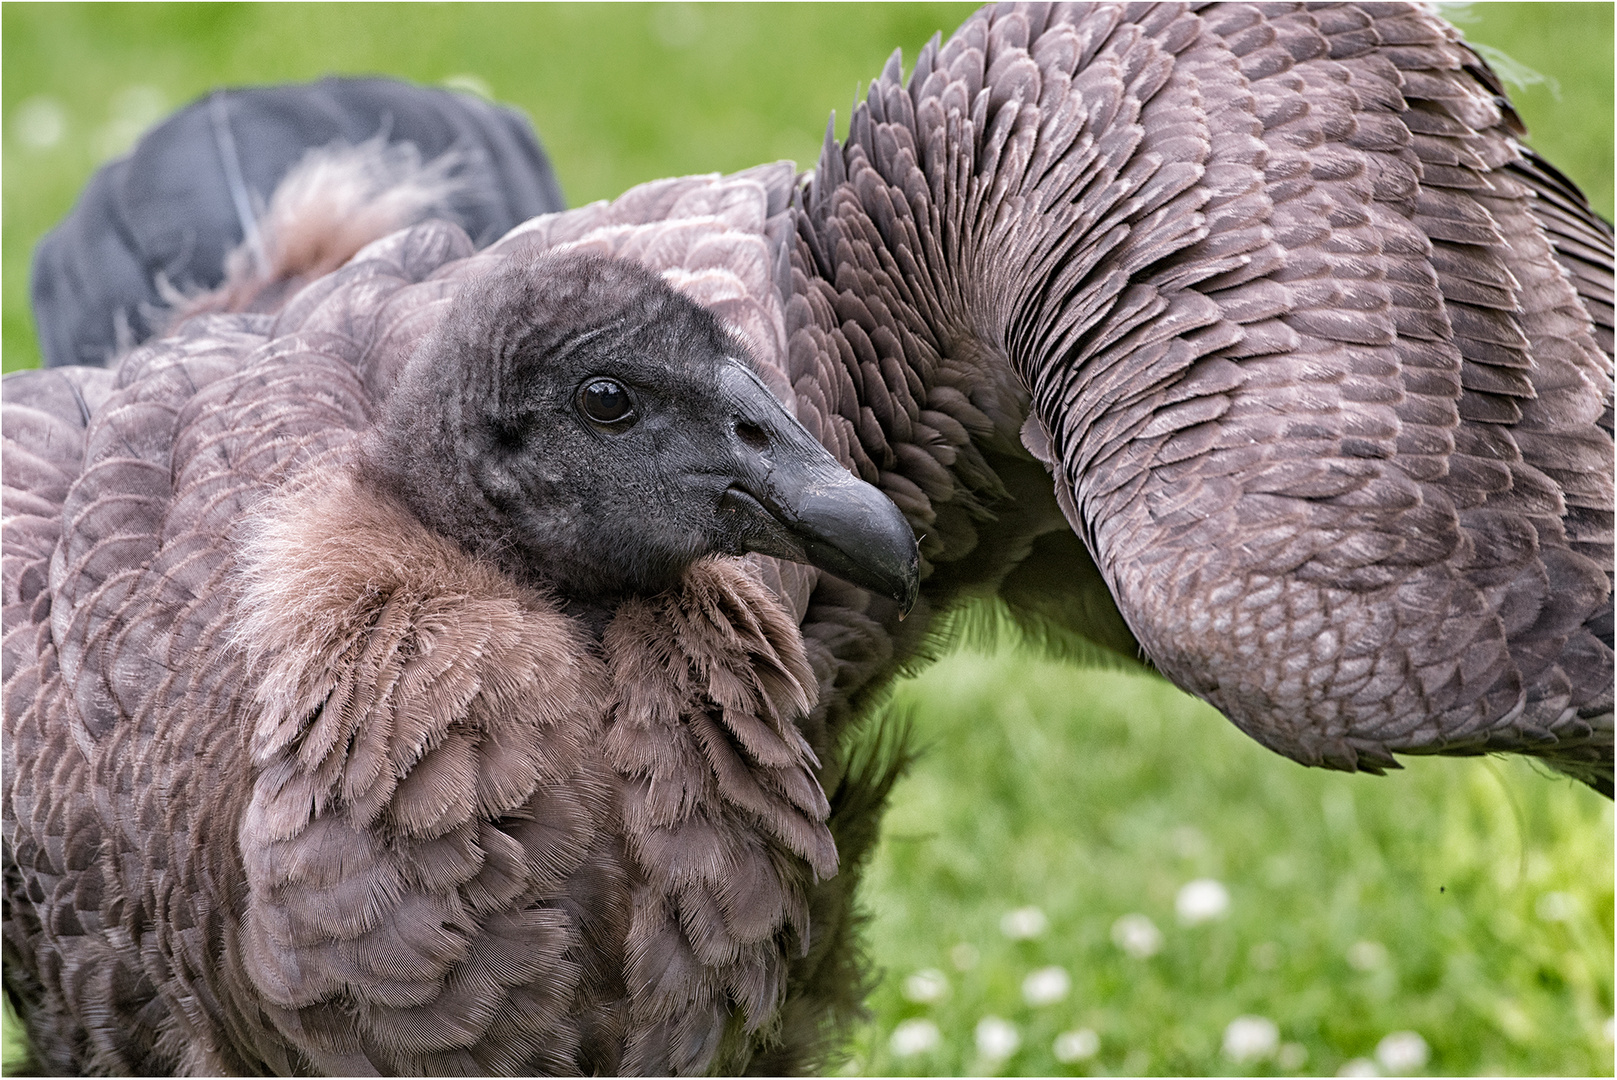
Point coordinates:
[[334, 201]]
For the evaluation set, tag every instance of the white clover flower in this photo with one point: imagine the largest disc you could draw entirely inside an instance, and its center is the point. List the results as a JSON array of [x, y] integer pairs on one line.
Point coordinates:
[[1201, 901], [1358, 1067], [926, 986], [1023, 923], [1402, 1052], [964, 956], [997, 1039], [1556, 907], [1079, 1045], [914, 1037], [1367, 956], [1046, 986], [1137, 935], [1292, 1056], [1251, 1038]]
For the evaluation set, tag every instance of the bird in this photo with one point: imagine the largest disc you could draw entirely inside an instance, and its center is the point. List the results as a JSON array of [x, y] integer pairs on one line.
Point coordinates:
[[616, 899], [1246, 343], [151, 233]]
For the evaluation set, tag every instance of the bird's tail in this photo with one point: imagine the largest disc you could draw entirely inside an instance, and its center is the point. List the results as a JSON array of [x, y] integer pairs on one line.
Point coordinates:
[[336, 200]]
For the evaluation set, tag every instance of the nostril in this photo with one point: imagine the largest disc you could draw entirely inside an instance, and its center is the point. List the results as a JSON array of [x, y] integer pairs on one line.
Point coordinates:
[[751, 434]]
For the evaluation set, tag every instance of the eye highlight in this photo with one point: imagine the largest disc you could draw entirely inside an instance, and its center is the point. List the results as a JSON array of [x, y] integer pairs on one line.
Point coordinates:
[[606, 401]]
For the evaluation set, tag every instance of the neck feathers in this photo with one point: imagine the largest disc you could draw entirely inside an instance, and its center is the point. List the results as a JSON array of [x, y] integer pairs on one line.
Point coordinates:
[[448, 768]]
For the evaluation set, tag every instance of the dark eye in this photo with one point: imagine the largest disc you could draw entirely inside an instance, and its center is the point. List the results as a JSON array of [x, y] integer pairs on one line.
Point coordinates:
[[606, 401]]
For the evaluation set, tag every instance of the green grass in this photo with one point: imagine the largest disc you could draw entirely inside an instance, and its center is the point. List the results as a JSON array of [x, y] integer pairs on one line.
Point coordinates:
[[1087, 795], [1094, 795]]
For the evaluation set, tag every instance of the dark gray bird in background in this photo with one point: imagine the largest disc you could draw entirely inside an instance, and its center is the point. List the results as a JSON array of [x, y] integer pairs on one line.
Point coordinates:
[[157, 225], [379, 695]]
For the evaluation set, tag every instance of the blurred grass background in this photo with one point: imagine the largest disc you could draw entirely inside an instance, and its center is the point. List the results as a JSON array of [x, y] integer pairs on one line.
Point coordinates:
[[1029, 901]]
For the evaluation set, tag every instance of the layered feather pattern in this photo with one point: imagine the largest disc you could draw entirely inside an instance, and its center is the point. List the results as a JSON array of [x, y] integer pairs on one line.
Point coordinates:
[[1307, 341], [448, 833]]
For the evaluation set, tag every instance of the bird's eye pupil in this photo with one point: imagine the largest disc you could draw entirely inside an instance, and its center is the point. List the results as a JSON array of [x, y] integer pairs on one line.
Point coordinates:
[[606, 401]]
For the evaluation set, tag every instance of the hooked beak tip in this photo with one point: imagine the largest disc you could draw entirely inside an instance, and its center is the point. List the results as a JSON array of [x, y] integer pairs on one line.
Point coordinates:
[[802, 504], [855, 532]]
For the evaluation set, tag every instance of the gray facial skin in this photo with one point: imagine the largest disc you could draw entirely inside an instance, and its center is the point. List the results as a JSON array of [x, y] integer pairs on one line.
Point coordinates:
[[505, 434]]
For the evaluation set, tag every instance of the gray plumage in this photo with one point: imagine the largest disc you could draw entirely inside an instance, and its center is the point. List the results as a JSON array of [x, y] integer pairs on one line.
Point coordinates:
[[160, 222], [1245, 340]]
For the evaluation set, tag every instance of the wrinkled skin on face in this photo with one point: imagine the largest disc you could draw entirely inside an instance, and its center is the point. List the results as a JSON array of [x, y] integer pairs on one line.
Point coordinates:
[[592, 430]]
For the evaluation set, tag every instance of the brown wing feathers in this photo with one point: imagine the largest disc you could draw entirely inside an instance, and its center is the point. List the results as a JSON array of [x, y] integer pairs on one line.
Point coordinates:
[[1258, 268]]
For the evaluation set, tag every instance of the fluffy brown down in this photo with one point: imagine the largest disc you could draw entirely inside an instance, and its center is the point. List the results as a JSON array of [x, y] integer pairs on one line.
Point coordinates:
[[520, 849], [333, 202], [449, 776]]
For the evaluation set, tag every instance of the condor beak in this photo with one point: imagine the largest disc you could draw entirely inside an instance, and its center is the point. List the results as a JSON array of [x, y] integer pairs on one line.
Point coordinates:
[[791, 499]]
